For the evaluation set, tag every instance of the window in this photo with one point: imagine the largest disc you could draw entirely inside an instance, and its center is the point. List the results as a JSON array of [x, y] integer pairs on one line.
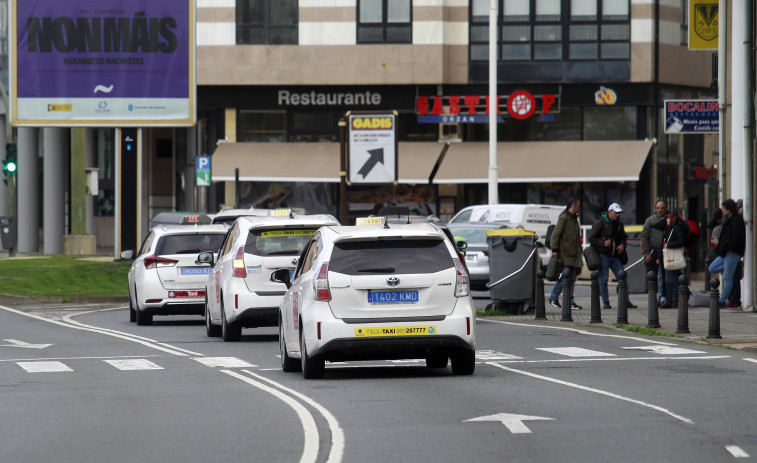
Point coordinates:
[[272, 22], [279, 242], [384, 21], [261, 126], [553, 30], [194, 243], [381, 257]]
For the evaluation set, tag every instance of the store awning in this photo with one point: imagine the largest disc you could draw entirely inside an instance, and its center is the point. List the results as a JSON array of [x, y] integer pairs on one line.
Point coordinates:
[[310, 162], [545, 162]]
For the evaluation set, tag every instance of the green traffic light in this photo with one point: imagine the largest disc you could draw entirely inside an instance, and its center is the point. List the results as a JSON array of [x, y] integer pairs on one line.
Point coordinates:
[[10, 167]]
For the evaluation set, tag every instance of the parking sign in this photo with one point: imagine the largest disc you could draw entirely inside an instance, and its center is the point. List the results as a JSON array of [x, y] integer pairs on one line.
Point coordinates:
[[202, 165]]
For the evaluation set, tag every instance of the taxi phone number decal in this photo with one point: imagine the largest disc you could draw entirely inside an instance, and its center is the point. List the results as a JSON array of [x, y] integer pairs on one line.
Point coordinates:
[[272, 233], [395, 331]]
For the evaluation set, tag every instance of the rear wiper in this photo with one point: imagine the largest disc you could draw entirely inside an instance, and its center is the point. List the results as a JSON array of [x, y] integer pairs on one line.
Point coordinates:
[[287, 252], [188, 251], [376, 270]]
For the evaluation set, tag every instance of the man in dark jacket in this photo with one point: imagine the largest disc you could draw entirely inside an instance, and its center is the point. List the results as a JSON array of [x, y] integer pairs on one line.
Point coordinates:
[[608, 236], [566, 244], [731, 248]]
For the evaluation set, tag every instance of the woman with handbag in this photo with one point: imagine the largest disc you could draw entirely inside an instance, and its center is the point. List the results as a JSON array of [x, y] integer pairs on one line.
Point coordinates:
[[676, 232]]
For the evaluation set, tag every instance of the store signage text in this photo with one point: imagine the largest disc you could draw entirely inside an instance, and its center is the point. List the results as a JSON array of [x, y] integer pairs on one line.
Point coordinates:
[[520, 104], [313, 98]]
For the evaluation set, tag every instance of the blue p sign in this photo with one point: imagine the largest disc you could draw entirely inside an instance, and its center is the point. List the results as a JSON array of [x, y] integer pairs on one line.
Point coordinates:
[[203, 170]]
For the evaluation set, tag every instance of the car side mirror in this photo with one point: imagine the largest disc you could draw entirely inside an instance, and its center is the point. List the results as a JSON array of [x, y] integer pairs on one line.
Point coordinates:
[[128, 254], [205, 258], [282, 276], [461, 246]]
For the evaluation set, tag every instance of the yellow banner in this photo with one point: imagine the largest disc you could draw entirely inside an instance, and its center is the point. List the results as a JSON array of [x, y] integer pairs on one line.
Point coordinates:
[[704, 19]]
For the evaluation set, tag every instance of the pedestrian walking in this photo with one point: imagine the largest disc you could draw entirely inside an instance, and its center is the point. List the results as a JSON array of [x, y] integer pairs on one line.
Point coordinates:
[[652, 235], [731, 246], [608, 236], [566, 245], [676, 232]]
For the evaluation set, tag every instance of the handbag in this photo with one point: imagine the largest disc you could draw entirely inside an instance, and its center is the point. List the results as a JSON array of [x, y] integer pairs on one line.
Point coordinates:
[[554, 269], [673, 258], [591, 255], [623, 256]]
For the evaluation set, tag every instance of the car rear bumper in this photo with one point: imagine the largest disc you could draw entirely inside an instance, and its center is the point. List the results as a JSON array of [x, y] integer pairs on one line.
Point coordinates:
[[175, 308]]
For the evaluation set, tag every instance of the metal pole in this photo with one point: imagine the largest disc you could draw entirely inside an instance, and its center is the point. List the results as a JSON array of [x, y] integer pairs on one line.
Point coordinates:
[[236, 188], [596, 311], [748, 92], [493, 106], [714, 328], [343, 171], [622, 298], [683, 305], [566, 287], [539, 310], [722, 95], [653, 318]]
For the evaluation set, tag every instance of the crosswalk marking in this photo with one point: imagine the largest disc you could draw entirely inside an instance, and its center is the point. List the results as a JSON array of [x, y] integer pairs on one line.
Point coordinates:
[[575, 352], [224, 362], [43, 367], [666, 350], [489, 355], [134, 364]]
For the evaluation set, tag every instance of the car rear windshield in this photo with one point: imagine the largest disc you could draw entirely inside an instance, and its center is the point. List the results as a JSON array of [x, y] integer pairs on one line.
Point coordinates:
[[278, 242], [189, 244], [390, 256]]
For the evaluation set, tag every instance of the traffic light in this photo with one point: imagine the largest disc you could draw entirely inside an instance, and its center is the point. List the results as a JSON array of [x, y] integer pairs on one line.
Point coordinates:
[[9, 164]]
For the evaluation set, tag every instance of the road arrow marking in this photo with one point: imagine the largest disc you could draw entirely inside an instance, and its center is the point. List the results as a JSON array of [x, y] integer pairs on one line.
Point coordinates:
[[513, 422], [25, 345], [376, 156]]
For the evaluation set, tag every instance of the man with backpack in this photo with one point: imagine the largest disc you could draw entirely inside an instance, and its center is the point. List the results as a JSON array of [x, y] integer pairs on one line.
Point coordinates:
[[608, 236]]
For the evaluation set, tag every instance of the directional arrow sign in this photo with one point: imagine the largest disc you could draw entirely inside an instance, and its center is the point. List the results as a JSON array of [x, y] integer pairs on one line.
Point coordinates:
[[376, 156], [513, 422], [22, 344]]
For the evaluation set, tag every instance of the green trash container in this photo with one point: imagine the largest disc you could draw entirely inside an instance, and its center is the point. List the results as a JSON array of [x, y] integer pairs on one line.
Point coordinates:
[[512, 250]]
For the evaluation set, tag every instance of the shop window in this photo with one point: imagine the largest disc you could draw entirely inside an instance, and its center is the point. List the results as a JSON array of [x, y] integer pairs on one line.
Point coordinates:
[[273, 22], [317, 126], [610, 123], [565, 125], [408, 128], [384, 21], [261, 126]]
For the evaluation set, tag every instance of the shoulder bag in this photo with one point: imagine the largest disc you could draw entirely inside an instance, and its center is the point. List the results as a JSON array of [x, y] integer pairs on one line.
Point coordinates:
[[591, 255], [554, 269], [673, 258]]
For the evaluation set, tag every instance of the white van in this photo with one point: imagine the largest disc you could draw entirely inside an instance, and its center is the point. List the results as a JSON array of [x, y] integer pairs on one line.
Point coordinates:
[[534, 217]]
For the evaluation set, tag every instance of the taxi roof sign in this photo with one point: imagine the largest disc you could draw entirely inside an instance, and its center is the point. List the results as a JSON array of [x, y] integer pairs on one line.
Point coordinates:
[[281, 212], [370, 221], [196, 219]]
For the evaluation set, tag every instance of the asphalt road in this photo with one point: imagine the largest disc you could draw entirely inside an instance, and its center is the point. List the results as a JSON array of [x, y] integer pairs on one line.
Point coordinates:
[[82, 384]]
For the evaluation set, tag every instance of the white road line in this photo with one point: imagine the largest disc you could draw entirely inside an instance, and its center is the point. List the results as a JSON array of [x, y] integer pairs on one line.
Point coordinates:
[[596, 391], [43, 367], [666, 350], [224, 362], [134, 364], [310, 449], [337, 434], [575, 330], [575, 352], [617, 359], [751, 360], [78, 358], [484, 355], [736, 451]]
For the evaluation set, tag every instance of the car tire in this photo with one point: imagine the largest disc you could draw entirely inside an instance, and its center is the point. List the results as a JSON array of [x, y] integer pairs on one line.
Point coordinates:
[[142, 318], [230, 332], [312, 367], [436, 361], [463, 362], [288, 364], [132, 312], [212, 330]]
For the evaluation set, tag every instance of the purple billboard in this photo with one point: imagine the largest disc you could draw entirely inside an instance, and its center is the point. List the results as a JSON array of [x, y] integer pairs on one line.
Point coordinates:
[[103, 62]]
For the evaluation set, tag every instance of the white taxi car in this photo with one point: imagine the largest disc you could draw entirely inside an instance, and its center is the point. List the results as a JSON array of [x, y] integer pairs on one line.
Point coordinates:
[[165, 278], [239, 292], [377, 292]]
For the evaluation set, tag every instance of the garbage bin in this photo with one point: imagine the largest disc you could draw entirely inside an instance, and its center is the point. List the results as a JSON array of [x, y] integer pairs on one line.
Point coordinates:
[[8, 232], [511, 250], [636, 275]]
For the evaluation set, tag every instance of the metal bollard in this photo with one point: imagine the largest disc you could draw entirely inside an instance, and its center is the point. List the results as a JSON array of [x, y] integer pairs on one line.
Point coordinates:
[[622, 298], [539, 310], [714, 331], [707, 275], [653, 318], [566, 316], [596, 311], [683, 305]]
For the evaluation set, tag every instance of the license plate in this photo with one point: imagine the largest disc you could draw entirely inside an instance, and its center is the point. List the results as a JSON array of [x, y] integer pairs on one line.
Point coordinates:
[[189, 293], [395, 331], [392, 297], [471, 258], [195, 270]]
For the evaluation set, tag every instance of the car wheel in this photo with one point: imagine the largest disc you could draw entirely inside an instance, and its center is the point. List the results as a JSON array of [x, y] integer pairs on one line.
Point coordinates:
[[463, 362], [312, 367], [142, 318], [212, 330], [230, 332], [288, 364], [132, 312], [436, 361]]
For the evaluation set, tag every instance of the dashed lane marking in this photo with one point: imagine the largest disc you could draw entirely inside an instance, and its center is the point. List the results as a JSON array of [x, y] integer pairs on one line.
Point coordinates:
[[575, 352], [666, 350], [224, 362], [44, 367], [134, 364]]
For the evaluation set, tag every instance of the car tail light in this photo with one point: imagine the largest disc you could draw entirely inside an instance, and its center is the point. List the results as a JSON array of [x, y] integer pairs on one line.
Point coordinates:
[[462, 286], [321, 284], [239, 270], [157, 261]]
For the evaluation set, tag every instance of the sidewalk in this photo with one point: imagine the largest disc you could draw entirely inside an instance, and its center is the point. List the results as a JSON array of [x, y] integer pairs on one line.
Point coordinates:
[[738, 328]]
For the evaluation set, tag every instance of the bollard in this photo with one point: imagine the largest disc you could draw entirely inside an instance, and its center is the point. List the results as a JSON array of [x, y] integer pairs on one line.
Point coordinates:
[[714, 331], [622, 298], [683, 305], [596, 311], [566, 316], [653, 319], [539, 310], [707, 275]]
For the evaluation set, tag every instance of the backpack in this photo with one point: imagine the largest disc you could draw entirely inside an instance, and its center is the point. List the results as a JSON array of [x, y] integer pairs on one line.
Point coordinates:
[[547, 239], [693, 235]]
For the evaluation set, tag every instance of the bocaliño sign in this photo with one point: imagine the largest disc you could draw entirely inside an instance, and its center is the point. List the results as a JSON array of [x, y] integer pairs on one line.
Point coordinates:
[[520, 104]]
